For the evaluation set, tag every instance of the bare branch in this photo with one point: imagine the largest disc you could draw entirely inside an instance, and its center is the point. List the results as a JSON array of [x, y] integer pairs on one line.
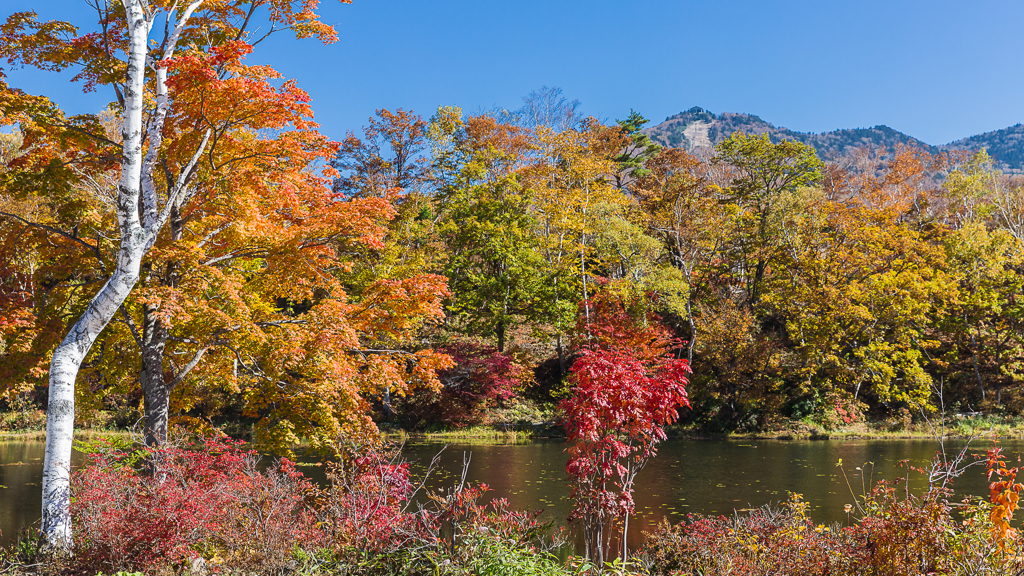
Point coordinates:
[[187, 368], [131, 326], [210, 236]]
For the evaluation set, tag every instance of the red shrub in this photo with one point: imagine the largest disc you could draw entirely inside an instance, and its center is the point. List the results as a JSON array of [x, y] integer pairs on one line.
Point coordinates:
[[614, 421], [211, 496], [364, 509], [766, 541], [215, 503], [481, 379], [462, 510]]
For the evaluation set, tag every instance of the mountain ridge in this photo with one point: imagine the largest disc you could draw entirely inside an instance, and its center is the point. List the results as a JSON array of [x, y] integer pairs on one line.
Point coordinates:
[[699, 129]]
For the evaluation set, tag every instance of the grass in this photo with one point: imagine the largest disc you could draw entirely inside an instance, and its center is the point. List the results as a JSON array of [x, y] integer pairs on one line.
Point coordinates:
[[952, 426], [40, 435], [31, 425], [493, 434], [26, 425]]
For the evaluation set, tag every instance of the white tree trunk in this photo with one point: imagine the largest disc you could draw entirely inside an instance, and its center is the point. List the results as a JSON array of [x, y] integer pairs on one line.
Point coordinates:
[[68, 357], [60, 411]]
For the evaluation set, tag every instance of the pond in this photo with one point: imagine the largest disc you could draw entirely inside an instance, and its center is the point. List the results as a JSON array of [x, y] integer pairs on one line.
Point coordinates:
[[687, 476]]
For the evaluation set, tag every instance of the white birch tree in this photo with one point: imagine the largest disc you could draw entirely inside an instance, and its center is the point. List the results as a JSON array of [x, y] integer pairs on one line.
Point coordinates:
[[126, 42], [140, 217]]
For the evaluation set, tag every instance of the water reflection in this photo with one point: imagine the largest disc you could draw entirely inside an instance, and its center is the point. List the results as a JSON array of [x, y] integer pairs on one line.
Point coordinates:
[[21, 470], [707, 477]]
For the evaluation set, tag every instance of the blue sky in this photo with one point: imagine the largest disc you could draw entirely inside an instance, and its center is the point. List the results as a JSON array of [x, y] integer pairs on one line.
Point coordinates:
[[938, 70]]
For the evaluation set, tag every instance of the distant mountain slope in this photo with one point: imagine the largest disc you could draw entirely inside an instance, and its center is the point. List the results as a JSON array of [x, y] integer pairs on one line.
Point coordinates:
[[1006, 146], [698, 129]]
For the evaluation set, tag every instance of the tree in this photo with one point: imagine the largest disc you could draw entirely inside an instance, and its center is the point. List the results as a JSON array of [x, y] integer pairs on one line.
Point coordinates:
[[547, 107], [147, 84], [984, 257], [614, 420], [765, 173], [573, 198], [857, 297], [684, 212], [494, 270], [389, 163], [387, 159], [983, 319], [637, 152]]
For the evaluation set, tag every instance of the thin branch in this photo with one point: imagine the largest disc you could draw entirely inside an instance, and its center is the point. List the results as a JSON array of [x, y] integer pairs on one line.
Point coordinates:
[[94, 249], [172, 196], [210, 236], [279, 323], [131, 326], [382, 352], [187, 368]]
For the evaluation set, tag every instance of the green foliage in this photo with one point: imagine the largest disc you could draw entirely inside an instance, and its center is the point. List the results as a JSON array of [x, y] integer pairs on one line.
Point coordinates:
[[492, 556], [637, 152], [767, 169], [494, 269]]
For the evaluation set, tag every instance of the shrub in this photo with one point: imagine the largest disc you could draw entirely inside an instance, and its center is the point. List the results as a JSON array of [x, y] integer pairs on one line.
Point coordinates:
[[904, 534], [371, 527], [769, 540], [490, 555], [210, 500], [212, 506], [481, 380], [897, 533], [363, 511], [613, 422]]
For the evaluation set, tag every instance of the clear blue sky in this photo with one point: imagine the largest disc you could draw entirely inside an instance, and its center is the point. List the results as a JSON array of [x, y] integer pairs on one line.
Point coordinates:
[[938, 70]]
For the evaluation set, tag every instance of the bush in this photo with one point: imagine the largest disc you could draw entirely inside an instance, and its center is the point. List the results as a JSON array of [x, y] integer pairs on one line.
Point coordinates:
[[210, 500], [896, 533], [767, 541], [212, 507], [481, 380], [363, 512]]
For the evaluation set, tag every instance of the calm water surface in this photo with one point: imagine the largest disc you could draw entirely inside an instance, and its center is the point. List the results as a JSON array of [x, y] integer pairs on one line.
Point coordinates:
[[687, 476]]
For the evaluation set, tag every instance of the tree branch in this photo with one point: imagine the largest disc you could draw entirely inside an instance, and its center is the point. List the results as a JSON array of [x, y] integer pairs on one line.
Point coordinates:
[[173, 194], [131, 326], [187, 368], [94, 249]]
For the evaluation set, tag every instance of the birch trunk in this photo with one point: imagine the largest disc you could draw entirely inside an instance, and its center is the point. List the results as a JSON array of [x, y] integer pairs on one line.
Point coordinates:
[[60, 410], [68, 357], [137, 235]]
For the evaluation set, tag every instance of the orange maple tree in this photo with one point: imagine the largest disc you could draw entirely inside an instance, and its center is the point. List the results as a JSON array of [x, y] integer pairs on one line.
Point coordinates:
[[208, 176], [241, 293]]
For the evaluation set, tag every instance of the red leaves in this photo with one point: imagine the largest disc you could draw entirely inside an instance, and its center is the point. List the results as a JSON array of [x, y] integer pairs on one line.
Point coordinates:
[[623, 321], [627, 388], [616, 393], [477, 379], [125, 520], [614, 420]]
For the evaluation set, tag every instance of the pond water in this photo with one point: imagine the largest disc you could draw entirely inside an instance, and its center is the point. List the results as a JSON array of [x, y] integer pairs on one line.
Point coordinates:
[[687, 476]]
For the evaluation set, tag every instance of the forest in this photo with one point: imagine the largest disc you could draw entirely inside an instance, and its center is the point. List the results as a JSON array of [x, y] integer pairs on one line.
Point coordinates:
[[198, 258], [454, 267]]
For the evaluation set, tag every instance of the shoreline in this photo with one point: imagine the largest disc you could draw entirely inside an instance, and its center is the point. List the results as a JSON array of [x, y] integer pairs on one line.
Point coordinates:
[[952, 428]]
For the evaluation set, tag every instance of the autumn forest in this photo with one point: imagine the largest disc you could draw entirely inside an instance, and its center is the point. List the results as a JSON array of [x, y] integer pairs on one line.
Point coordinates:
[[446, 272], [199, 258]]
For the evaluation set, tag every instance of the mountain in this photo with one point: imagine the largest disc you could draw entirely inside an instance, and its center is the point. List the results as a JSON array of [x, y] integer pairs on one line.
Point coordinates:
[[1006, 146], [698, 130]]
